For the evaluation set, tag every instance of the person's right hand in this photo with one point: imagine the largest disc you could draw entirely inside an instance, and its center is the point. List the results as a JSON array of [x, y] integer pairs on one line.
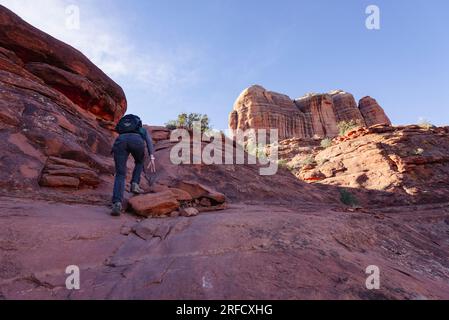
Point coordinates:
[[152, 166]]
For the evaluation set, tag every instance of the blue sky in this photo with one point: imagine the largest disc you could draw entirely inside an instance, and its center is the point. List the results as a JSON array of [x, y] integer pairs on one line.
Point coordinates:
[[174, 56]]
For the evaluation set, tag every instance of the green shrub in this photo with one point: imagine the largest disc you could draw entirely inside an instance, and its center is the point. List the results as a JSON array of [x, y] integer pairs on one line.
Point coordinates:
[[345, 126], [348, 198], [187, 121], [256, 150], [172, 125], [326, 143]]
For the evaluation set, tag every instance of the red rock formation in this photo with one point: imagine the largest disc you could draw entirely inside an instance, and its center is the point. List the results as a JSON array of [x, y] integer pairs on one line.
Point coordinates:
[[55, 108], [320, 111], [346, 107], [60, 67], [158, 133], [257, 108], [372, 112], [307, 117], [411, 163]]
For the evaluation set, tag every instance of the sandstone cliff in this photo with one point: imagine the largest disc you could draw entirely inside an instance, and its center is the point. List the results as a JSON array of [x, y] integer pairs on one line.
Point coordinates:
[[56, 109], [257, 108], [306, 117]]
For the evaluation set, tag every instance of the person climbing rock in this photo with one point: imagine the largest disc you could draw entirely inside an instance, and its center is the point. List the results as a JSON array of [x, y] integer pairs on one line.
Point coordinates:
[[132, 140]]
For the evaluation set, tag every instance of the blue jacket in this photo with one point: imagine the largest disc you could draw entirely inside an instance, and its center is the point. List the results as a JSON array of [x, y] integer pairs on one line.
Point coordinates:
[[148, 139]]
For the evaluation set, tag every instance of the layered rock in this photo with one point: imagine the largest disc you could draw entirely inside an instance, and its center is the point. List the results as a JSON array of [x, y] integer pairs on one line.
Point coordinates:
[[60, 66], [372, 112], [314, 115], [257, 108], [158, 133], [320, 111], [68, 173], [405, 164], [346, 107], [56, 108], [188, 196]]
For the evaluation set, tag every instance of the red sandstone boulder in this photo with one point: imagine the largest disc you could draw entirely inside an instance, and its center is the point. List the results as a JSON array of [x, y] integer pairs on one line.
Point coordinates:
[[181, 195], [154, 204]]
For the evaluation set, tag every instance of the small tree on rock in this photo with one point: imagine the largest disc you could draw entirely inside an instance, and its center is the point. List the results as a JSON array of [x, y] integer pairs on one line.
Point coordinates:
[[187, 121]]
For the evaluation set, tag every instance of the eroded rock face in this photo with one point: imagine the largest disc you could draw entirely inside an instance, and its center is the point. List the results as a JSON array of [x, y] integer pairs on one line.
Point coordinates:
[[158, 133], [346, 108], [68, 173], [257, 108], [409, 164], [320, 111], [314, 115], [56, 111], [372, 112], [60, 66]]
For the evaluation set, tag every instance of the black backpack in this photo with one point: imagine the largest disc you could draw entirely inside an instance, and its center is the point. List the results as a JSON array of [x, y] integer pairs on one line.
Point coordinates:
[[129, 124]]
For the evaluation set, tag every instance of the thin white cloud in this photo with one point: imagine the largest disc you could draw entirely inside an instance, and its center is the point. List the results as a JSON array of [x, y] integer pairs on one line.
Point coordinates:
[[100, 39]]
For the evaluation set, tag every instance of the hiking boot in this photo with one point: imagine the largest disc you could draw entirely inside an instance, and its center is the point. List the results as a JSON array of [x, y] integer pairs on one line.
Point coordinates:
[[116, 209], [135, 188]]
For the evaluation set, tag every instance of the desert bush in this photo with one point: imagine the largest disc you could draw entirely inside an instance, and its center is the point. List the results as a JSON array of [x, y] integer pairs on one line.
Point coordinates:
[[172, 125], [187, 121], [345, 126], [348, 198], [256, 150], [326, 143]]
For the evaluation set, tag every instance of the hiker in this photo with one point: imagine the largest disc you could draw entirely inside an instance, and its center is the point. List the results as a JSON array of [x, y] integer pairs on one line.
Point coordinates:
[[132, 140]]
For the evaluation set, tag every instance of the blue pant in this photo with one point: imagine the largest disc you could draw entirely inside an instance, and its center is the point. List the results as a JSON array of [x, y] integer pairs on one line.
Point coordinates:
[[130, 143]]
